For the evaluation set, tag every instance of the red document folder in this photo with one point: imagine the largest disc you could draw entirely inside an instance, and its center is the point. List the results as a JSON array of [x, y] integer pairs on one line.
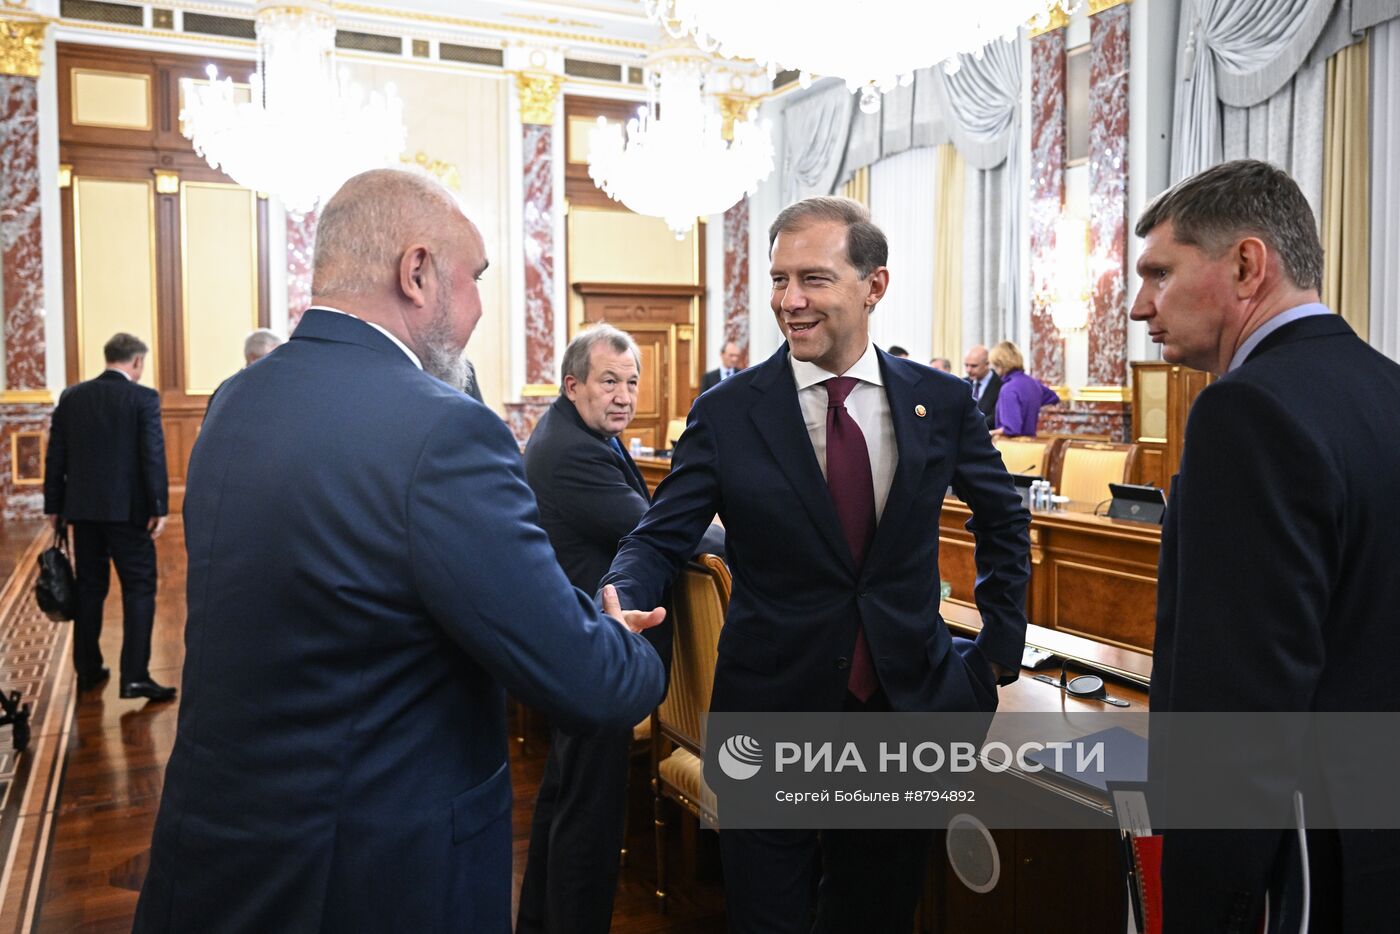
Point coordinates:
[[1147, 870]]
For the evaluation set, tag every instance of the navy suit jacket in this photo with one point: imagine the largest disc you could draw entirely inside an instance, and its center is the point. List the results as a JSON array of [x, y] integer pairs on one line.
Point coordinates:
[[591, 494], [366, 572], [797, 597], [106, 456], [1277, 592]]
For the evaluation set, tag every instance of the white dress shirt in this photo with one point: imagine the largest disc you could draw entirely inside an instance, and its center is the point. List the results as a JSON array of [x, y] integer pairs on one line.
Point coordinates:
[[868, 405], [382, 330]]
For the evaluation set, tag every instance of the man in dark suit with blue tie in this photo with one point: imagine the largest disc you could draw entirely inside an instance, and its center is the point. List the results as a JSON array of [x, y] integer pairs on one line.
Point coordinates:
[[105, 475], [1277, 590], [590, 494], [731, 358], [366, 575], [828, 464]]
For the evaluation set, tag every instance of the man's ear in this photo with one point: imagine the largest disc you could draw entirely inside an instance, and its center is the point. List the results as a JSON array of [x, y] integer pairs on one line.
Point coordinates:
[[879, 282], [1252, 261], [570, 387], [414, 269]]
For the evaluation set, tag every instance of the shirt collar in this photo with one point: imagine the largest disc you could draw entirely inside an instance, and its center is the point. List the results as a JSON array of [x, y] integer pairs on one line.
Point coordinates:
[[1272, 325], [380, 328], [112, 369], [866, 369]]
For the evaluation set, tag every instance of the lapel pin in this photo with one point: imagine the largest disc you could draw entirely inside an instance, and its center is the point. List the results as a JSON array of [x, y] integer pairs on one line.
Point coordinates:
[[920, 411]]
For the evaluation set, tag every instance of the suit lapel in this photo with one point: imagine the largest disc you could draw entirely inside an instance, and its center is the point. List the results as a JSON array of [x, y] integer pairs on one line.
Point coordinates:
[[911, 440], [778, 417], [634, 473]]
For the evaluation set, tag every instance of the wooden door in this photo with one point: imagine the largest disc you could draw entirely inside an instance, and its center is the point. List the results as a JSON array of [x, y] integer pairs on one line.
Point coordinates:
[[662, 319]]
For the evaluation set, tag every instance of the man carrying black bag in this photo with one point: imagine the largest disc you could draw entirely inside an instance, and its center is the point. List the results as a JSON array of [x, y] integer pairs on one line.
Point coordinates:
[[56, 591], [105, 475]]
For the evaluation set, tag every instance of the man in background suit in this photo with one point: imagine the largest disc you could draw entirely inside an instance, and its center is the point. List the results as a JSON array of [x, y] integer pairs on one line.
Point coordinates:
[[365, 575], [105, 475], [1277, 588], [827, 464], [256, 345], [985, 383], [730, 359], [590, 495]]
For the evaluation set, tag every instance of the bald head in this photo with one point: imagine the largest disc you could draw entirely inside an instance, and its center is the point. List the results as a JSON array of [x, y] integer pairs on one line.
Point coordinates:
[[976, 363], [395, 249], [362, 232]]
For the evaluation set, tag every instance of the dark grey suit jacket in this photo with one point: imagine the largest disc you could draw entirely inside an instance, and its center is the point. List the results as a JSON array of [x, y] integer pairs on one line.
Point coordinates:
[[106, 456], [987, 402]]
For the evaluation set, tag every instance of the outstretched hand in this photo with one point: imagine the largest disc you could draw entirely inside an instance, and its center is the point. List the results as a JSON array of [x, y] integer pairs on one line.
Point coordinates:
[[635, 620]]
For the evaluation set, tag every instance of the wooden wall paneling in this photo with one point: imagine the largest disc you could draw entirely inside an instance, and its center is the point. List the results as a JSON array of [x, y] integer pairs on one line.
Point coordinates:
[[580, 113], [96, 61]]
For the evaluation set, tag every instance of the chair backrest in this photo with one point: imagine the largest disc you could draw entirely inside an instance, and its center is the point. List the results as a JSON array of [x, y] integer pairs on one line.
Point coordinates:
[[673, 431], [1029, 456], [700, 598], [1086, 468]]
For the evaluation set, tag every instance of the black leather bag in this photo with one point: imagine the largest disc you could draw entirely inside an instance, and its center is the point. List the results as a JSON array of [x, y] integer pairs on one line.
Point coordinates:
[[56, 590]]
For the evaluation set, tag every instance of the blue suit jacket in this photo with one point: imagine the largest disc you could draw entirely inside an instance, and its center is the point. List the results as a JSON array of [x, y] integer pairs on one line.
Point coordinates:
[[365, 573], [797, 596]]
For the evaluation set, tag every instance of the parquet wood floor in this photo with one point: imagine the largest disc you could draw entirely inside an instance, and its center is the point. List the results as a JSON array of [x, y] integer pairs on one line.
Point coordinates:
[[116, 764]]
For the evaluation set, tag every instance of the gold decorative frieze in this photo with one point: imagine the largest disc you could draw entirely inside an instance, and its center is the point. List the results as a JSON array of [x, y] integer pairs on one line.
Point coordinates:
[[1098, 6], [539, 390], [65, 175], [444, 172], [1102, 394], [27, 397], [732, 108], [20, 44], [538, 92], [1059, 19]]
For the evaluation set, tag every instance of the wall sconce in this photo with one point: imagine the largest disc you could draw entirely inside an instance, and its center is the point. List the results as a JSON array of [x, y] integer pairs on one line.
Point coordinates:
[[1068, 285]]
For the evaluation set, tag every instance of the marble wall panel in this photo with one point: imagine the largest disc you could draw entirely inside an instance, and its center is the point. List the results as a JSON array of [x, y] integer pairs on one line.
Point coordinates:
[[539, 253], [736, 277], [301, 244], [1108, 196], [20, 234], [1047, 350]]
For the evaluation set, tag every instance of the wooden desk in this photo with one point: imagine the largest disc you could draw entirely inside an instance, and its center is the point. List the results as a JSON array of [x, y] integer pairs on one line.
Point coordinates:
[[654, 469], [1090, 576]]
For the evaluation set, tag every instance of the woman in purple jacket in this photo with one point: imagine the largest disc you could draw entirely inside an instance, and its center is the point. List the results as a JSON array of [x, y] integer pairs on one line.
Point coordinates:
[[1018, 405]]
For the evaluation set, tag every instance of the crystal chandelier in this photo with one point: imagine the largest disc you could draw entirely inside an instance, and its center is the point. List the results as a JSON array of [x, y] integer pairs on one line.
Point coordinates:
[[674, 161], [873, 45], [304, 130]]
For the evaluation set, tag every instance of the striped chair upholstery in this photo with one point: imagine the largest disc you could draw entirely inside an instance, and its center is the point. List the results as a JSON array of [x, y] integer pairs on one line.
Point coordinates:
[[1088, 467], [700, 599]]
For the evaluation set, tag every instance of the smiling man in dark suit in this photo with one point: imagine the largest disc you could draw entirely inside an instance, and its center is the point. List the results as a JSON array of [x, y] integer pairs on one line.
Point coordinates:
[[1277, 588], [590, 495], [827, 464], [105, 475], [366, 575]]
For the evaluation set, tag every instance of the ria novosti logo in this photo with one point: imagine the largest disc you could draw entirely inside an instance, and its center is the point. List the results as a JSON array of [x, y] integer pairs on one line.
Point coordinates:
[[740, 757]]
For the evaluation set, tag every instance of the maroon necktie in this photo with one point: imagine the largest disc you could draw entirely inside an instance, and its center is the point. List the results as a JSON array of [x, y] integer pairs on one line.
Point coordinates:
[[853, 492]]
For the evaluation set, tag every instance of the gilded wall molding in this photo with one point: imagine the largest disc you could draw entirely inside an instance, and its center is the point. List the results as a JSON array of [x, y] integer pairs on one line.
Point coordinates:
[[732, 108], [1098, 6], [538, 92], [1059, 19], [444, 172], [21, 42]]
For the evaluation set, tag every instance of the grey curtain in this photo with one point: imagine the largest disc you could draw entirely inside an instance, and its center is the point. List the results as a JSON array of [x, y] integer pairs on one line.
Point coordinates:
[[986, 318], [1239, 53], [1286, 130], [1385, 188], [816, 127]]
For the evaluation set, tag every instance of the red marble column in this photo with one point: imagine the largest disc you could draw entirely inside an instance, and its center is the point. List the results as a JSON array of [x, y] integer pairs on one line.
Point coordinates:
[[22, 263], [539, 253], [301, 244], [736, 276], [1108, 196], [538, 213], [1047, 350]]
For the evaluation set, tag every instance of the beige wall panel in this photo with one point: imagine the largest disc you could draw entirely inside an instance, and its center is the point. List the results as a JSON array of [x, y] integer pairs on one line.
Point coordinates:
[[1153, 417], [114, 224], [111, 99], [219, 234], [461, 120], [619, 246]]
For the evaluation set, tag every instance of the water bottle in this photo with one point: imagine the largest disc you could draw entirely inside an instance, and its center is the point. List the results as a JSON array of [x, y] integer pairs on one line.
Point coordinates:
[[636, 446]]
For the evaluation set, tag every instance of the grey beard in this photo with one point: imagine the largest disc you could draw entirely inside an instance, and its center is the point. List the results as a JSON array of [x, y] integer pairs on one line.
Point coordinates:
[[446, 364], [440, 358]]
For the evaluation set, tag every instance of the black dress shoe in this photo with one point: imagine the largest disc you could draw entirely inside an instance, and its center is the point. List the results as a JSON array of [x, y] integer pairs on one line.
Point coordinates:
[[88, 682], [148, 689]]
